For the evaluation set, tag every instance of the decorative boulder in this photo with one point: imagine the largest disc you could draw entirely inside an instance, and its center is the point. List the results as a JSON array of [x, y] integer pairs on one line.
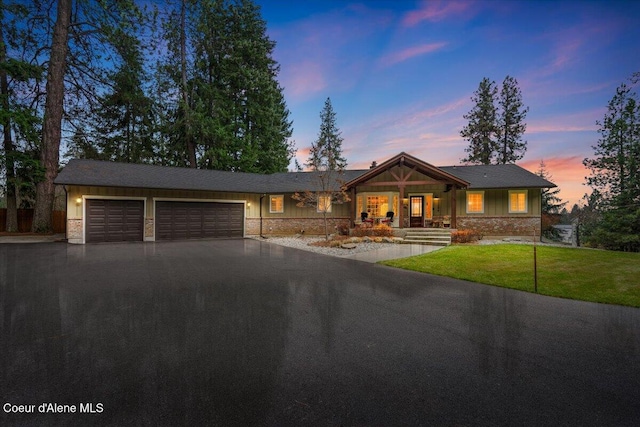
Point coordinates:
[[348, 246]]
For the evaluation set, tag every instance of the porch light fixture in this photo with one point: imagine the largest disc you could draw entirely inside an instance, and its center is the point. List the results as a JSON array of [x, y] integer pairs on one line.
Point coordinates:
[[78, 200], [248, 204]]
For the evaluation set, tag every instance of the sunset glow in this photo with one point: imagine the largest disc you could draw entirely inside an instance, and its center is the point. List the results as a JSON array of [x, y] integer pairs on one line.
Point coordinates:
[[400, 74]]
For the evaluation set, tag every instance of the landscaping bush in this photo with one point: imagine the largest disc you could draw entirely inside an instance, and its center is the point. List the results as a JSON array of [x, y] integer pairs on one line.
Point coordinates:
[[465, 236], [378, 230]]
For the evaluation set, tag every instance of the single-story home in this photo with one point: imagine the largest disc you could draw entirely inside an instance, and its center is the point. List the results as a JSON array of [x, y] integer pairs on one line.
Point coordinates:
[[108, 201]]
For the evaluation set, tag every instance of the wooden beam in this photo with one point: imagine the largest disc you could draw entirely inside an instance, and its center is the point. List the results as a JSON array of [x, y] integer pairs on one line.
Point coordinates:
[[398, 183], [401, 207], [454, 222]]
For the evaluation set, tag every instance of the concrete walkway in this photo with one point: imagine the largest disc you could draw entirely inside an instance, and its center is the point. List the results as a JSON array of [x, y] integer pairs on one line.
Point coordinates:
[[393, 252]]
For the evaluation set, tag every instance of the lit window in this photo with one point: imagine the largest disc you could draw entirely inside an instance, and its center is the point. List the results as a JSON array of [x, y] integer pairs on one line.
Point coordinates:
[[324, 203], [276, 204], [377, 206], [518, 201], [475, 201]]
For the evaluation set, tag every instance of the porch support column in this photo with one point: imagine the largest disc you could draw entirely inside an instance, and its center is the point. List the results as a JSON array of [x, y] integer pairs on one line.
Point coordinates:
[[401, 207], [354, 207], [454, 222]]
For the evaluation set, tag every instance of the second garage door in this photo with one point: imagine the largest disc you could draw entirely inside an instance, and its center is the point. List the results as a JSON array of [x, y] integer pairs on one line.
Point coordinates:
[[197, 220]]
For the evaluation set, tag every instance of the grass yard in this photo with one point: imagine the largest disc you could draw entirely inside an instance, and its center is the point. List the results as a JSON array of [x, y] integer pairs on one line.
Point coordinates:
[[582, 274]]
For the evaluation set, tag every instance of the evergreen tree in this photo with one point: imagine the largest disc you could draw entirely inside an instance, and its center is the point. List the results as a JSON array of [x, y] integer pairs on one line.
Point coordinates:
[[481, 129], [326, 151], [77, 52], [327, 165], [126, 117], [615, 174], [551, 203], [231, 104], [614, 169], [18, 120], [510, 123]]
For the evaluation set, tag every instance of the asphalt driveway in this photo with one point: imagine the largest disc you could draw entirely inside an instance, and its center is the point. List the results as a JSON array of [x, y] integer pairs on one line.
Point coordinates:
[[242, 332]]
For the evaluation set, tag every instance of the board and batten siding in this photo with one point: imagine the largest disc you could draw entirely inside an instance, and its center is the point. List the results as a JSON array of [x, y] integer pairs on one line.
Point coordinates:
[[496, 202], [74, 211]]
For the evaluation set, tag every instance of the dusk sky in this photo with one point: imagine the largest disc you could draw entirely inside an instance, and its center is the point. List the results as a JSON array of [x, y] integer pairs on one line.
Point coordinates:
[[400, 74]]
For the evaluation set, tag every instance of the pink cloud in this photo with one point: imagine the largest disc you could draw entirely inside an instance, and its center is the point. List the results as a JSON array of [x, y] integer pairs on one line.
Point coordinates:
[[304, 79], [435, 11], [411, 52], [309, 50], [582, 121]]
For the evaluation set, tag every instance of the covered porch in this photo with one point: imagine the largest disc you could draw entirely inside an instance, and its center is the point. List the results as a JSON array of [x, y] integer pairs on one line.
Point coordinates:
[[419, 194]]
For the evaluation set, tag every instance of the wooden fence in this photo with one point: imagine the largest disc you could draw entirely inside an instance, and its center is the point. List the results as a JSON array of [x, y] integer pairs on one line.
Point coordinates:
[[25, 218]]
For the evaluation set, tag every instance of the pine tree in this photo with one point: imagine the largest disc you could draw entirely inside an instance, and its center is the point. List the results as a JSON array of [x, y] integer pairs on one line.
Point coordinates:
[[326, 151], [551, 203], [481, 129], [126, 117], [231, 104], [510, 123], [327, 164], [615, 174]]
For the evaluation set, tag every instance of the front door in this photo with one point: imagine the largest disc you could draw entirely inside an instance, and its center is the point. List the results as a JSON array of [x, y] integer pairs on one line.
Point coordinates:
[[416, 211]]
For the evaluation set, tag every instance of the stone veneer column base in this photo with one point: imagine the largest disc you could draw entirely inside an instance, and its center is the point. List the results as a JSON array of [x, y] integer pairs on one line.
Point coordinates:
[[148, 229], [74, 230]]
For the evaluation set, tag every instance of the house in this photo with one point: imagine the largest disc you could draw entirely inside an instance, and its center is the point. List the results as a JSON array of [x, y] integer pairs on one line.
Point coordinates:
[[108, 201]]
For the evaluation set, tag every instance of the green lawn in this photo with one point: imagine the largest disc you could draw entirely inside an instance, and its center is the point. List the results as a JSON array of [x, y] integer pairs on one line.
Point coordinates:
[[582, 274]]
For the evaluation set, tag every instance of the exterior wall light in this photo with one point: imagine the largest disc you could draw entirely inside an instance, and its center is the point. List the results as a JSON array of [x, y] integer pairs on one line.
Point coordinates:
[[78, 200], [248, 204]]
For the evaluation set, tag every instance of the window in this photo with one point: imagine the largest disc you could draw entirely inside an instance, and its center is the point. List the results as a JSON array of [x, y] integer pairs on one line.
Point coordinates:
[[276, 204], [324, 203], [377, 206], [475, 201], [518, 201]]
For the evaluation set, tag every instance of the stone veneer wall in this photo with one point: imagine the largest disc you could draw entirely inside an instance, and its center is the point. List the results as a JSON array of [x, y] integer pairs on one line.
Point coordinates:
[[287, 226], [148, 227], [74, 228], [501, 225]]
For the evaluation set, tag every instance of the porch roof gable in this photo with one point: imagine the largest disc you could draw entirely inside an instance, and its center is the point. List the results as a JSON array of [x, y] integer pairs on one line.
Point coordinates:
[[404, 159]]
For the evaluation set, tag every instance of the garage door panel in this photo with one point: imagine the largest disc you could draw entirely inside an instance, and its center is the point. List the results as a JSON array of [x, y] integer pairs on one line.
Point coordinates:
[[196, 220], [114, 220]]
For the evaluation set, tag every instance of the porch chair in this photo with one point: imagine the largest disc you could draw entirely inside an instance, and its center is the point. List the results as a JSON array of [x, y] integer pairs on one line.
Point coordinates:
[[364, 217], [389, 218]]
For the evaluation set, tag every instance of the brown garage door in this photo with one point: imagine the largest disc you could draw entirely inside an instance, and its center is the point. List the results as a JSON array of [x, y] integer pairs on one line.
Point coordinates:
[[197, 220], [114, 220]]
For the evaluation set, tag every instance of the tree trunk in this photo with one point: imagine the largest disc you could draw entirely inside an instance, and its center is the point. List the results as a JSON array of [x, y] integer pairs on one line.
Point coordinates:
[[52, 127], [9, 149]]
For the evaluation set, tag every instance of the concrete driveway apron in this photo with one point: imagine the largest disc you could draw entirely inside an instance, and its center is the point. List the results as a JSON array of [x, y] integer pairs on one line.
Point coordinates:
[[242, 332]]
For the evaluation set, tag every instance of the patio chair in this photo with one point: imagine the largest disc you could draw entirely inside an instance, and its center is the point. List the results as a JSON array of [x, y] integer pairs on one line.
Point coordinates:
[[364, 217], [389, 218]]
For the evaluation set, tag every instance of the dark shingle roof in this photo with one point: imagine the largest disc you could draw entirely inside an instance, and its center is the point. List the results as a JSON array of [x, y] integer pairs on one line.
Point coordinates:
[[112, 174], [498, 176]]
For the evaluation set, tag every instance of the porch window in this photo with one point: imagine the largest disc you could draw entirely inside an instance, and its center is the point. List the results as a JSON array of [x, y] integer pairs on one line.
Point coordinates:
[[475, 201], [377, 206], [518, 201], [324, 203], [276, 204]]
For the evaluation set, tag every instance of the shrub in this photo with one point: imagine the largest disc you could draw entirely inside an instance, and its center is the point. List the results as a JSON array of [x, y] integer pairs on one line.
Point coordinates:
[[465, 236], [378, 230]]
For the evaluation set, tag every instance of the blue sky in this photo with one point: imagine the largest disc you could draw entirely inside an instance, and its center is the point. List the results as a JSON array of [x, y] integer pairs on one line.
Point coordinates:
[[400, 74]]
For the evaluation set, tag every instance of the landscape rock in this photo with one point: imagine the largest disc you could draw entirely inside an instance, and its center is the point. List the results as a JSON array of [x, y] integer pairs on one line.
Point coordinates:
[[348, 246]]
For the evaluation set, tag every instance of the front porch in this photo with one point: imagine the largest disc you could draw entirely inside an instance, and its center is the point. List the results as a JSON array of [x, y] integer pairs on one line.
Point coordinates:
[[415, 194]]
